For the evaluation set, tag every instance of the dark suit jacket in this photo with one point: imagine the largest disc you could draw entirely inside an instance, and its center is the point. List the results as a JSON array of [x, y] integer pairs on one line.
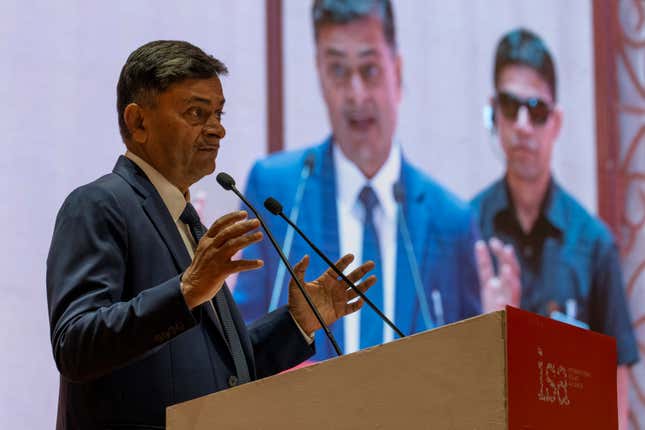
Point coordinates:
[[123, 339], [442, 230]]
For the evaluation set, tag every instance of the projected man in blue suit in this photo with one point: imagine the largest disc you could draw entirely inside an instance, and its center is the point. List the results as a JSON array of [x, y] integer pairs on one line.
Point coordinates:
[[342, 193]]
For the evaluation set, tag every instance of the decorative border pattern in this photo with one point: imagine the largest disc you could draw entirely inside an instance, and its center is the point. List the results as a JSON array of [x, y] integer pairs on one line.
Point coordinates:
[[628, 109]]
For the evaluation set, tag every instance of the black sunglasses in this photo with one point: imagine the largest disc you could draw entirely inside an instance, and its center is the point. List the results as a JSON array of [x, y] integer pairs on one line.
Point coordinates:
[[510, 104]]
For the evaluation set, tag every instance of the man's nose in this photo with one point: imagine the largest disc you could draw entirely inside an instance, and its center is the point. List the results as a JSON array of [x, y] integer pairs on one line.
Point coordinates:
[[357, 90], [523, 120], [214, 128]]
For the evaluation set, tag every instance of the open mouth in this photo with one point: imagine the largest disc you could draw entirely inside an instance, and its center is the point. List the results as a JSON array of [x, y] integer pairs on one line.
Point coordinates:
[[361, 124]]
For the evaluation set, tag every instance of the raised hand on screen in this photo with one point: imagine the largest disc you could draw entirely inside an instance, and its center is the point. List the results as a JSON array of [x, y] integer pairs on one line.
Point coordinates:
[[501, 288]]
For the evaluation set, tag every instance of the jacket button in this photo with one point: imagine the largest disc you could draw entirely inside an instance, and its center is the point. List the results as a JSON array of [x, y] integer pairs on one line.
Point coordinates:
[[232, 381]]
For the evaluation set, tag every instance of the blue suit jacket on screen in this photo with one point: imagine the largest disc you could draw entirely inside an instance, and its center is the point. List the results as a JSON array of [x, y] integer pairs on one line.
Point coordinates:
[[126, 344], [441, 227]]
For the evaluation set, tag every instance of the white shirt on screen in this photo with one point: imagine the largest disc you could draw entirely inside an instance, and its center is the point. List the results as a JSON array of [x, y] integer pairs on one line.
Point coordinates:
[[349, 183]]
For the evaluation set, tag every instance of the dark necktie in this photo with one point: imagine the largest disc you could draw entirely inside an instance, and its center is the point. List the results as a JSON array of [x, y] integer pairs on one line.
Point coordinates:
[[190, 217], [371, 324]]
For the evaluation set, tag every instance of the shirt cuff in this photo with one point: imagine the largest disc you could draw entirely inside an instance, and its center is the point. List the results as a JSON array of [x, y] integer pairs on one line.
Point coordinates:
[[309, 338]]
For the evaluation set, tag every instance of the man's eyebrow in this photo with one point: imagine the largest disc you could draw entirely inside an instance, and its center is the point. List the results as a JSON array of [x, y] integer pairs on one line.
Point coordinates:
[[197, 99], [368, 52], [333, 52]]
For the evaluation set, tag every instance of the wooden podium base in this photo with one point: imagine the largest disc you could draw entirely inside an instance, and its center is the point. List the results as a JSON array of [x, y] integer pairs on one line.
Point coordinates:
[[504, 370]]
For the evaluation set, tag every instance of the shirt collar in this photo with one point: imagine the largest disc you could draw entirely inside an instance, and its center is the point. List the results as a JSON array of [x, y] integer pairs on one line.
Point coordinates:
[[174, 200], [552, 206], [352, 179]]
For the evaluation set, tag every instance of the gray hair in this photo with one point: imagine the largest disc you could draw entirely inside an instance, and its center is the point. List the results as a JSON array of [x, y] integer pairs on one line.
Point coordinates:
[[153, 67]]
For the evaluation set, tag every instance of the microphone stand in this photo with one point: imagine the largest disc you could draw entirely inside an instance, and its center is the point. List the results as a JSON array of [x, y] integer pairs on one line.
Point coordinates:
[[227, 182], [269, 204], [288, 240]]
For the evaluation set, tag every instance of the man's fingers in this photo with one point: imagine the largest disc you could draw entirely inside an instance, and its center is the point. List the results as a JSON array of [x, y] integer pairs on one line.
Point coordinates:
[[352, 307], [484, 263], [342, 264], [511, 259], [505, 254], [363, 287], [244, 265], [497, 247], [235, 230], [226, 220], [360, 271], [239, 243], [511, 283], [301, 267]]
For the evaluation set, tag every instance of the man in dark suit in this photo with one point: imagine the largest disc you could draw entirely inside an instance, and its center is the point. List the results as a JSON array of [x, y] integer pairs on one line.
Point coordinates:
[[131, 270]]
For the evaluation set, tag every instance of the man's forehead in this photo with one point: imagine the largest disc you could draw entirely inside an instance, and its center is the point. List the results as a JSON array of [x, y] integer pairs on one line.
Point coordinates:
[[360, 37], [199, 90], [523, 81]]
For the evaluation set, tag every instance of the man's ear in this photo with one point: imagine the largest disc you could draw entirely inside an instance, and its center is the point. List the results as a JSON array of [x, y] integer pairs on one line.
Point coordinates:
[[134, 116], [493, 112]]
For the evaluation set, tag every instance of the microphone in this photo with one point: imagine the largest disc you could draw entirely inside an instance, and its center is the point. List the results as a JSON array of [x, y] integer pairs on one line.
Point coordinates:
[[275, 208], [228, 183], [399, 196], [307, 168]]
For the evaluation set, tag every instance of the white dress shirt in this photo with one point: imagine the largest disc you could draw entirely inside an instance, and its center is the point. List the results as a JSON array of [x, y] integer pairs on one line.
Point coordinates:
[[349, 183], [174, 200]]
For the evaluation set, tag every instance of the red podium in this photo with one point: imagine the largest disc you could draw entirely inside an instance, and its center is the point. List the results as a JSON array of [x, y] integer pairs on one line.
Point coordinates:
[[504, 370]]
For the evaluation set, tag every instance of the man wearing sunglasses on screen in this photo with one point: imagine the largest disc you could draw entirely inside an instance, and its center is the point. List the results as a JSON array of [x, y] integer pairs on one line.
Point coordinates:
[[570, 268]]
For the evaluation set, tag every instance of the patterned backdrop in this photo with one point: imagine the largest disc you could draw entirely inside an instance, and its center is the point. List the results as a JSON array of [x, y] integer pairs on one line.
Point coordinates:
[[630, 109]]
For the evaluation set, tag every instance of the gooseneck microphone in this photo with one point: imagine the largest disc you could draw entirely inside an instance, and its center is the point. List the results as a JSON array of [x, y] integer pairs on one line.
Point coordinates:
[[275, 208], [307, 168], [399, 196], [228, 183]]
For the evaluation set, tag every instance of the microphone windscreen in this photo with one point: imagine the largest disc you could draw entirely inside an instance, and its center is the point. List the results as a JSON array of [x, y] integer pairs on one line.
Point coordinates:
[[225, 180], [273, 206], [397, 190]]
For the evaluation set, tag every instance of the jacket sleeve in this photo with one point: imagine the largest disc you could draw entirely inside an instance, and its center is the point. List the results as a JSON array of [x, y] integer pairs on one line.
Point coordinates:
[[469, 283], [94, 327], [278, 343]]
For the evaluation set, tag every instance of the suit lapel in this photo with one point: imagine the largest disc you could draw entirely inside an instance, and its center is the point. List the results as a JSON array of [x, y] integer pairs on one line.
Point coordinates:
[[417, 218], [156, 210], [327, 222], [322, 224], [160, 217]]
